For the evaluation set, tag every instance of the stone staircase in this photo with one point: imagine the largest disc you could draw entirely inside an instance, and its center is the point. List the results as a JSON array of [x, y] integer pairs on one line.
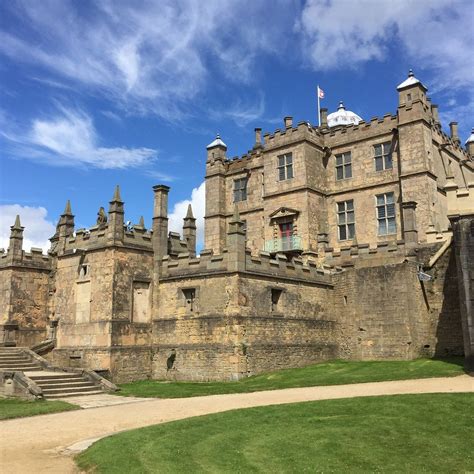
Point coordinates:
[[53, 383], [63, 384], [12, 358]]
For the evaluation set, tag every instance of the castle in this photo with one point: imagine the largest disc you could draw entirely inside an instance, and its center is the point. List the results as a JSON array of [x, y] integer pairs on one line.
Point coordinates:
[[353, 239]]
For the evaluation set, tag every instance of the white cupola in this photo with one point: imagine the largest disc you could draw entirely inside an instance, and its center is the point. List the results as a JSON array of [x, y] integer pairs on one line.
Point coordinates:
[[343, 117]]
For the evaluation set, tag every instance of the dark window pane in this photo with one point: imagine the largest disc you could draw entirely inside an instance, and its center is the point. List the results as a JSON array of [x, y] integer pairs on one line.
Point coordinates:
[[350, 217], [380, 199], [348, 171], [378, 150], [289, 159], [382, 227], [381, 212], [289, 172], [388, 162], [338, 160], [391, 210], [342, 232], [350, 205], [389, 198], [378, 163], [351, 230], [392, 227], [340, 206], [281, 161]]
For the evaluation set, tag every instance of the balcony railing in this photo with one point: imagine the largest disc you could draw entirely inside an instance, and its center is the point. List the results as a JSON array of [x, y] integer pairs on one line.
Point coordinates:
[[285, 244]]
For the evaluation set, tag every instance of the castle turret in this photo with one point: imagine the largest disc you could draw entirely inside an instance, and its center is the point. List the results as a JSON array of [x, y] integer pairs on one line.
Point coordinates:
[[160, 221], [15, 249], [189, 231], [215, 224], [64, 230], [115, 228]]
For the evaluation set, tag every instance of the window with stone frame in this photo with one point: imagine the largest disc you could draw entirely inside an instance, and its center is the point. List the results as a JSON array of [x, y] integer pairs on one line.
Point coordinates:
[[386, 218], [383, 156], [240, 189], [285, 167], [344, 165], [345, 220]]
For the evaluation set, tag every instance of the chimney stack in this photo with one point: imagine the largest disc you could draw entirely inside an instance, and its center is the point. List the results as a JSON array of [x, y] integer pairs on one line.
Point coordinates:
[[324, 117], [453, 127], [434, 112], [160, 221], [258, 138], [288, 122]]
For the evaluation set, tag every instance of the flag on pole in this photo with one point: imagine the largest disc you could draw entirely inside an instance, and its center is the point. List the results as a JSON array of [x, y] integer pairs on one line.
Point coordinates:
[[320, 93]]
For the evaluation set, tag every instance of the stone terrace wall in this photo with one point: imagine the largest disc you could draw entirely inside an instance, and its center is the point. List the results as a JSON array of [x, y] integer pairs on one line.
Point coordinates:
[[385, 312]]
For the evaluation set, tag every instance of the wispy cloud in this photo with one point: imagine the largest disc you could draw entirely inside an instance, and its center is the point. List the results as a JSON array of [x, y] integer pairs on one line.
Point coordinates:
[[153, 58], [70, 139]]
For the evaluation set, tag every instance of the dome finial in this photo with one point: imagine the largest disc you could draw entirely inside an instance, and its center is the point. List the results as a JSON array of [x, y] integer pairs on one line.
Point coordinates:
[[341, 105], [410, 73]]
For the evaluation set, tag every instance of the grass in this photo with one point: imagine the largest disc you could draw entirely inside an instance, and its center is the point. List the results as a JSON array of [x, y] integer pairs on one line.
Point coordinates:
[[399, 433], [15, 408], [329, 373]]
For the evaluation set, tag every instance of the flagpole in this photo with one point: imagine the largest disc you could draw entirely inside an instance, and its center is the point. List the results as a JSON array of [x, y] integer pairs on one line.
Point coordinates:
[[319, 110]]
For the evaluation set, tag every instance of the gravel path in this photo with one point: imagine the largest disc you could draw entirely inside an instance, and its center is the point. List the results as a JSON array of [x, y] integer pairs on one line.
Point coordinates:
[[46, 443]]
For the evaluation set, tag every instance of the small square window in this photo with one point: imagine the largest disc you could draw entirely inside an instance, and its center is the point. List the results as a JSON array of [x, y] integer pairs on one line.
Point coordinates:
[[344, 166], [383, 156], [240, 189], [285, 167], [386, 217], [346, 220]]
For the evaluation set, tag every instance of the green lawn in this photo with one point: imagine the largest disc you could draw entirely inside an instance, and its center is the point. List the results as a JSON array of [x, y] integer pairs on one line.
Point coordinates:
[[330, 373], [15, 408], [400, 433]]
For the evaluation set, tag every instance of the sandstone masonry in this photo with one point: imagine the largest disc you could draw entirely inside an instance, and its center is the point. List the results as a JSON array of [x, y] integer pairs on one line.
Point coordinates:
[[334, 241]]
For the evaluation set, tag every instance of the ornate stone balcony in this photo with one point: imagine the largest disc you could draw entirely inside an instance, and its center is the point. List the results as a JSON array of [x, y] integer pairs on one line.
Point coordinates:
[[287, 244]]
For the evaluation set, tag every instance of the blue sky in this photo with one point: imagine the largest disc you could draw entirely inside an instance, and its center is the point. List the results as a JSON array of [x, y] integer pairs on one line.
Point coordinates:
[[98, 93]]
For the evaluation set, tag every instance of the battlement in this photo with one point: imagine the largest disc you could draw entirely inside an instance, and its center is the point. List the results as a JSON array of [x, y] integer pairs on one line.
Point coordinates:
[[33, 259], [363, 130], [303, 131], [96, 236], [264, 264]]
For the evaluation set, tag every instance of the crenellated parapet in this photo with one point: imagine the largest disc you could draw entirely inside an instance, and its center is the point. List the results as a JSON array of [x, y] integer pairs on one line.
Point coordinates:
[[362, 131], [34, 259], [265, 264], [304, 131]]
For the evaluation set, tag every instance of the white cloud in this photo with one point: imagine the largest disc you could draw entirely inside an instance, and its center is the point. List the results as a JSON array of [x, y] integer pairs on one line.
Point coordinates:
[[433, 35], [341, 33], [38, 229], [154, 57], [198, 203], [70, 139]]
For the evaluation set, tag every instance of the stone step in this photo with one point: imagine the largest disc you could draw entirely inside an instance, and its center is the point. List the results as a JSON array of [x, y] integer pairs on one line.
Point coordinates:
[[19, 367], [54, 378], [73, 394], [13, 359], [41, 381], [47, 392], [22, 369], [64, 385]]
